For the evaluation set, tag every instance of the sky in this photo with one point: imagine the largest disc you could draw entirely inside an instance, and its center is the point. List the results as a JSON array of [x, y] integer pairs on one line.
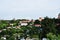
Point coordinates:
[[29, 9]]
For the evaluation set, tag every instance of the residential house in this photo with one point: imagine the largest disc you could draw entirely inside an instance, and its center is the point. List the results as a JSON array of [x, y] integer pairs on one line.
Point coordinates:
[[24, 22]]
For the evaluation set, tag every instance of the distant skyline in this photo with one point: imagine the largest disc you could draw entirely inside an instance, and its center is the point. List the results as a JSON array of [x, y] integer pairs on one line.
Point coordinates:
[[29, 9]]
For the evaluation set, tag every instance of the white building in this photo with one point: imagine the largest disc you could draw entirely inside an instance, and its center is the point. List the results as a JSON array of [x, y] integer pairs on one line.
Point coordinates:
[[24, 22]]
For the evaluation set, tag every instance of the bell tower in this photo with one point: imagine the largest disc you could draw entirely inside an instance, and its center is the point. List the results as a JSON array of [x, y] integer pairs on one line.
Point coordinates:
[[59, 16]]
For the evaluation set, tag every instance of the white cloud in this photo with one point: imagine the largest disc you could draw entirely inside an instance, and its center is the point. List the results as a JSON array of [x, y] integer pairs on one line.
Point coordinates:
[[28, 5], [23, 7]]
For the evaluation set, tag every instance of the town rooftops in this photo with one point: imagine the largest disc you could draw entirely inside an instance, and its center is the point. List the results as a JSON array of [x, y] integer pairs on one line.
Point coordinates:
[[37, 25], [24, 22]]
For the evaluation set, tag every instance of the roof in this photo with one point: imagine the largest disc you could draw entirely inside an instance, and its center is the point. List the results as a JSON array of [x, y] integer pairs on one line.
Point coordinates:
[[24, 21], [37, 25], [59, 14]]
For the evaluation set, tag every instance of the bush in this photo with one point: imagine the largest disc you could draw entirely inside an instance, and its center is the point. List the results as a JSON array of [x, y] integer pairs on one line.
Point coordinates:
[[52, 36]]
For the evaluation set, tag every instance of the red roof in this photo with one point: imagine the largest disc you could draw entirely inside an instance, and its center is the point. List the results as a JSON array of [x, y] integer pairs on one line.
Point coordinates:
[[37, 25]]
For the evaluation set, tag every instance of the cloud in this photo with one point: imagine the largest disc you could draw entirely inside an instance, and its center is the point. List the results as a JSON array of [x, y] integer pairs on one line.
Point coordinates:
[[28, 5], [28, 8]]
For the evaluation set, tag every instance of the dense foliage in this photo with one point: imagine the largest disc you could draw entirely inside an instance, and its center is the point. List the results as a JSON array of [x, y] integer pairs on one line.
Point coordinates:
[[49, 27]]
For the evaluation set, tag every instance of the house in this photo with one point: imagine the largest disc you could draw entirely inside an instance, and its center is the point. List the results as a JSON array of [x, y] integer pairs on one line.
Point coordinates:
[[40, 19], [24, 22], [37, 25]]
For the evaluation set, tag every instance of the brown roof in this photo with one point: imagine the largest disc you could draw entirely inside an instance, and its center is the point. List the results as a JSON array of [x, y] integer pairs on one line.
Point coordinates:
[[24, 21]]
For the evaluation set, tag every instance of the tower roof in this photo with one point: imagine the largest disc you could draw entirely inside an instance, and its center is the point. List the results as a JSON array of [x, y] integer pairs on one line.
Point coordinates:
[[59, 14]]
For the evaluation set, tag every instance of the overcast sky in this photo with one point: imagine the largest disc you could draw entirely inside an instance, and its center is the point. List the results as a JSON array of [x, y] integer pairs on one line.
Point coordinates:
[[28, 9]]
